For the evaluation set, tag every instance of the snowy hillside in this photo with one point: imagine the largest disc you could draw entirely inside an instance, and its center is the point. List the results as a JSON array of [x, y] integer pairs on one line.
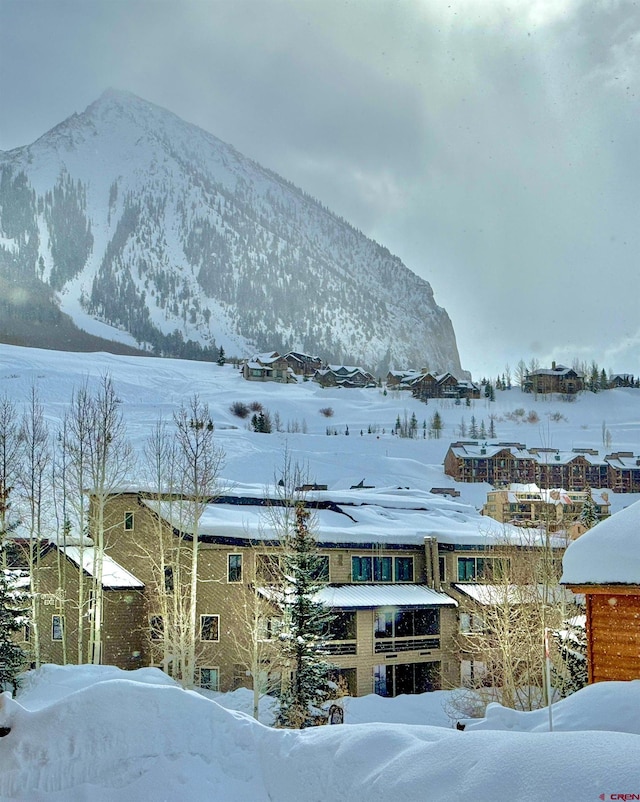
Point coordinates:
[[168, 235], [151, 388]]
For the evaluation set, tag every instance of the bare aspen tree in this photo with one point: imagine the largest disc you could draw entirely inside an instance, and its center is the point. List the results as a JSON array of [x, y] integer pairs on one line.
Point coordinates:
[[109, 465], [503, 622], [10, 458], [199, 461], [99, 462], [254, 632], [73, 454], [34, 435]]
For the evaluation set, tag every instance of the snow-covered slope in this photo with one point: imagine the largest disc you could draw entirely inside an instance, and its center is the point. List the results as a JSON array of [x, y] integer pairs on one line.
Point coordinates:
[[155, 227]]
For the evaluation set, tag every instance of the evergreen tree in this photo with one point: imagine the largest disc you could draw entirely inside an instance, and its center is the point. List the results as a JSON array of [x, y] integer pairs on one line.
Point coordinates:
[[492, 426], [436, 425], [221, 357], [12, 619], [588, 516], [572, 648], [473, 428], [306, 624], [482, 434]]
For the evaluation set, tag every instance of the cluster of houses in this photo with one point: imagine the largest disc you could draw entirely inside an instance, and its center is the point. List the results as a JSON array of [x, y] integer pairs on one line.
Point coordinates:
[[501, 464], [424, 384], [295, 366]]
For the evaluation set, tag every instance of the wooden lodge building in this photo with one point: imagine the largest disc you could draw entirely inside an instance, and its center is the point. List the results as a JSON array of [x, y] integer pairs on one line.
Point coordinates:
[[395, 589], [604, 564], [501, 464]]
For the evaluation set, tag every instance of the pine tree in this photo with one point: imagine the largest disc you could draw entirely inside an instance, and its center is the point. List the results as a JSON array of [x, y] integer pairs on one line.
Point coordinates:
[[588, 516], [473, 428], [572, 648], [221, 357], [306, 622], [436, 425], [12, 619]]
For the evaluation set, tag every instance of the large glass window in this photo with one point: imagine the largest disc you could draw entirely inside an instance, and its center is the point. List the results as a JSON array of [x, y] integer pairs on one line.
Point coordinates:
[[381, 569], [343, 626], [407, 623], [471, 569]]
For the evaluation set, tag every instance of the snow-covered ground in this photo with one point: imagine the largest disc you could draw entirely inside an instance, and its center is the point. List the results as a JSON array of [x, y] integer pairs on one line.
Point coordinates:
[[97, 733]]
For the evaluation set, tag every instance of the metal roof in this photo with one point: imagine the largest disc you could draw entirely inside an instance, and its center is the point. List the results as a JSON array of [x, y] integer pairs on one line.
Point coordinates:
[[392, 595]]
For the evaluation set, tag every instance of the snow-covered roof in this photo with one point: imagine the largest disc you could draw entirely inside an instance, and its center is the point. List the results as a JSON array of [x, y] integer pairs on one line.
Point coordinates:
[[512, 594], [608, 554], [381, 515], [396, 595], [114, 576]]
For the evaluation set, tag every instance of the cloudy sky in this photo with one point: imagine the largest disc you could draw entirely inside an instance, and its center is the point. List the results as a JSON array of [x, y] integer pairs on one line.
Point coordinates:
[[494, 145]]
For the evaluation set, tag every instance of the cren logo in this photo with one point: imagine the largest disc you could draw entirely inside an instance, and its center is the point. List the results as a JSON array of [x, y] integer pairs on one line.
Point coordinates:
[[620, 797]]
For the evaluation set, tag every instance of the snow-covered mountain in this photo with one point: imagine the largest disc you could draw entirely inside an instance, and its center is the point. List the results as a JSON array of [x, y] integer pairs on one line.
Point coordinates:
[[151, 225]]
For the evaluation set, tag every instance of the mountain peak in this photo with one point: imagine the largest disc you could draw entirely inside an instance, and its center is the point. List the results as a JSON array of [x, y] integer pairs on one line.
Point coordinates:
[[158, 229]]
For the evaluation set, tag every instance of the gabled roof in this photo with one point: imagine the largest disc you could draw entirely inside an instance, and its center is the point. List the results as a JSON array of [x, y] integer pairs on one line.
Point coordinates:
[[114, 576]]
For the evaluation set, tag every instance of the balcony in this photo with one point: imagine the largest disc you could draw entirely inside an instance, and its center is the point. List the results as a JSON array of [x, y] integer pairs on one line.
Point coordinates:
[[383, 645]]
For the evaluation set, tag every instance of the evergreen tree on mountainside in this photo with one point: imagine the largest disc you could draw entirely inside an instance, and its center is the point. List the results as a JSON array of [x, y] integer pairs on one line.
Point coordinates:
[[588, 515], [306, 624]]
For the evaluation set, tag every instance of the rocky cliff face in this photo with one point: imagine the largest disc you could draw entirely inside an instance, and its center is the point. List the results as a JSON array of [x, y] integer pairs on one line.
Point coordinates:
[[151, 225]]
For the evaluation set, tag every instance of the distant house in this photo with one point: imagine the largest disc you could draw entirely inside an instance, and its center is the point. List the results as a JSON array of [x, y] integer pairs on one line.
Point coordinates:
[[344, 376], [401, 379], [269, 367], [444, 385], [604, 565], [302, 364], [557, 379], [621, 380]]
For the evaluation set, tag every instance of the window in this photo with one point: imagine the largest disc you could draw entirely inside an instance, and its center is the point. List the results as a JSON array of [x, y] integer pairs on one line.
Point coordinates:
[[26, 633], [361, 569], [168, 579], [234, 568], [471, 622], [442, 569], [393, 680], [268, 568], [156, 627], [381, 569], [210, 679], [404, 569], [343, 626], [128, 521], [407, 623], [210, 627], [320, 571], [472, 569], [57, 627]]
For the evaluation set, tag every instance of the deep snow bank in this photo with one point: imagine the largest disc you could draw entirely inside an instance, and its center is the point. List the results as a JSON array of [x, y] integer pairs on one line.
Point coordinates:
[[109, 735]]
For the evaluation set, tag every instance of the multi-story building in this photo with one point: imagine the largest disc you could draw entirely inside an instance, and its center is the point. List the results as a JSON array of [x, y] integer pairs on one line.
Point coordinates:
[[557, 509], [390, 579], [557, 379], [501, 464]]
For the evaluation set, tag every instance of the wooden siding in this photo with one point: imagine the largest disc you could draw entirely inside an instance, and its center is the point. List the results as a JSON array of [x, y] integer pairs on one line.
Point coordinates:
[[613, 635]]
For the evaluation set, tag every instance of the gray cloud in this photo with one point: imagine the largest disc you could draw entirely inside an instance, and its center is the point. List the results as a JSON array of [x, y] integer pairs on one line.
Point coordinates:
[[492, 145]]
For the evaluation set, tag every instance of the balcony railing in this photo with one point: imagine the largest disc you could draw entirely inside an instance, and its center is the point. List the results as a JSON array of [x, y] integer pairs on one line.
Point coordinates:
[[405, 644], [340, 647]]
